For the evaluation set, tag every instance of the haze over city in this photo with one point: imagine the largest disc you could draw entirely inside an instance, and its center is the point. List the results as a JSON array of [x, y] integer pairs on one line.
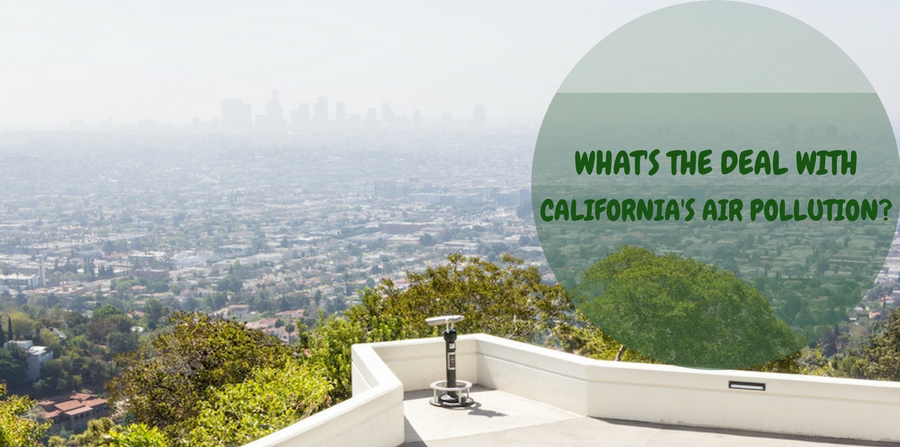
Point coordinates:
[[199, 196], [172, 62]]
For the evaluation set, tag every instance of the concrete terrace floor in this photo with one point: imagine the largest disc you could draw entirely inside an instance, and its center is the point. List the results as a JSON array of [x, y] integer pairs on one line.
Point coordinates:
[[501, 419]]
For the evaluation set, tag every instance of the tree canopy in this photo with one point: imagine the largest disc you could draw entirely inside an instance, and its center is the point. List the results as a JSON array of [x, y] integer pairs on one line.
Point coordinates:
[[507, 300], [104, 432], [879, 357], [683, 311], [165, 381], [271, 399], [215, 382], [15, 429]]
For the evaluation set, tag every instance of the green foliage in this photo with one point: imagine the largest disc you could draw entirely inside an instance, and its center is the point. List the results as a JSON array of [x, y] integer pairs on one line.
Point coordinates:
[[154, 312], [12, 369], [683, 311], [271, 399], [105, 312], [57, 441], [508, 301], [57, 377], [583, 338], [229, 283], [214, 382], [104, 432], [96, 434], [49, 339], [124, 285], [137, 435], [505, 300], [330, 348], [163, 383], [119, 342], [16, 430], [78, 362], [880, 356], [21, 326], [790, 364], [104, 324]]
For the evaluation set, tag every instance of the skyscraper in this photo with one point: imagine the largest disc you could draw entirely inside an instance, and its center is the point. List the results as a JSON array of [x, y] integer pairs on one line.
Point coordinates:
[[339, 112], [300, 117], [236, 115], [274, 115], [387, 115], [320, 116]]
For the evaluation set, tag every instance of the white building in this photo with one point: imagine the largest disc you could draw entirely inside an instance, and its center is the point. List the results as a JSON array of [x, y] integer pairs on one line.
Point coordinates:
[[17, 281], [37, 355]]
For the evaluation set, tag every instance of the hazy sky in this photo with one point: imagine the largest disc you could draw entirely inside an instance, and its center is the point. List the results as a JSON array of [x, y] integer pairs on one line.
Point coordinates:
[[173, 61]]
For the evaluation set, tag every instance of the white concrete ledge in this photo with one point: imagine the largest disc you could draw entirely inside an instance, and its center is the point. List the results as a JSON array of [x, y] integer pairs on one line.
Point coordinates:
[[791, 404], [373, 417]]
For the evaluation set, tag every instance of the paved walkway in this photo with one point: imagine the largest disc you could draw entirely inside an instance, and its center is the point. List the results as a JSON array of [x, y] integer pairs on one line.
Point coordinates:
[[501, 419]]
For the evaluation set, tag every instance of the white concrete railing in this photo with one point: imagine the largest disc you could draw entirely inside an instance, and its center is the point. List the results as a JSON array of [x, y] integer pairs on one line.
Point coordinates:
[[790, 404], [373, 417]]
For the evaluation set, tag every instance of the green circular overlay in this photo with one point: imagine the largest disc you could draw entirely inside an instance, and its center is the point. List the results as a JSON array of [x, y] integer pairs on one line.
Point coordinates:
[[714, 185]]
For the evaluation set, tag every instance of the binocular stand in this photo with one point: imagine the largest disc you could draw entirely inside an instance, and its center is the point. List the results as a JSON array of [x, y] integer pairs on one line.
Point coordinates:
[[453, 393]]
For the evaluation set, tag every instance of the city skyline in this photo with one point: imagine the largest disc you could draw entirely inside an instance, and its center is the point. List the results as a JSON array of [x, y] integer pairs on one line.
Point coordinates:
[[132, 62], [237, 114]]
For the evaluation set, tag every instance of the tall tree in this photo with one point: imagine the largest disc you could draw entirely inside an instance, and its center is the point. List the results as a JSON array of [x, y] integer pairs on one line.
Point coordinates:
[[163, 383], [15, 429], [506, 300], [12, 369], [880, 356], [271, 399], [682, 311]]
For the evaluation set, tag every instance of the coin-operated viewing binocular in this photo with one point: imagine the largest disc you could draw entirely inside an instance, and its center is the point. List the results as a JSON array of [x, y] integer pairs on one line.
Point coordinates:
[[454, 393]]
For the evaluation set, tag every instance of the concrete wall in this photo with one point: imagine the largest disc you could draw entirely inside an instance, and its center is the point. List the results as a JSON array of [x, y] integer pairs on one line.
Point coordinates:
[[418, 363], [790, 404], [543, 375], [373, 417]]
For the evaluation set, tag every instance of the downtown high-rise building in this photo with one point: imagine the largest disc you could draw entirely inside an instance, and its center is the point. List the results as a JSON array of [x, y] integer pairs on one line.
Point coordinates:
[[320, 115], [273, 118], [340, 114], [387, 114], [236, 115], [300, 117]]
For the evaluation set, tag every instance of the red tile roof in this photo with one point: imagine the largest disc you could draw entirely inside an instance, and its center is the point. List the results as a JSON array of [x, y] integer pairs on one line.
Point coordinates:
[[69, 405], [95, 402], [78, 411], [47, 404]]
